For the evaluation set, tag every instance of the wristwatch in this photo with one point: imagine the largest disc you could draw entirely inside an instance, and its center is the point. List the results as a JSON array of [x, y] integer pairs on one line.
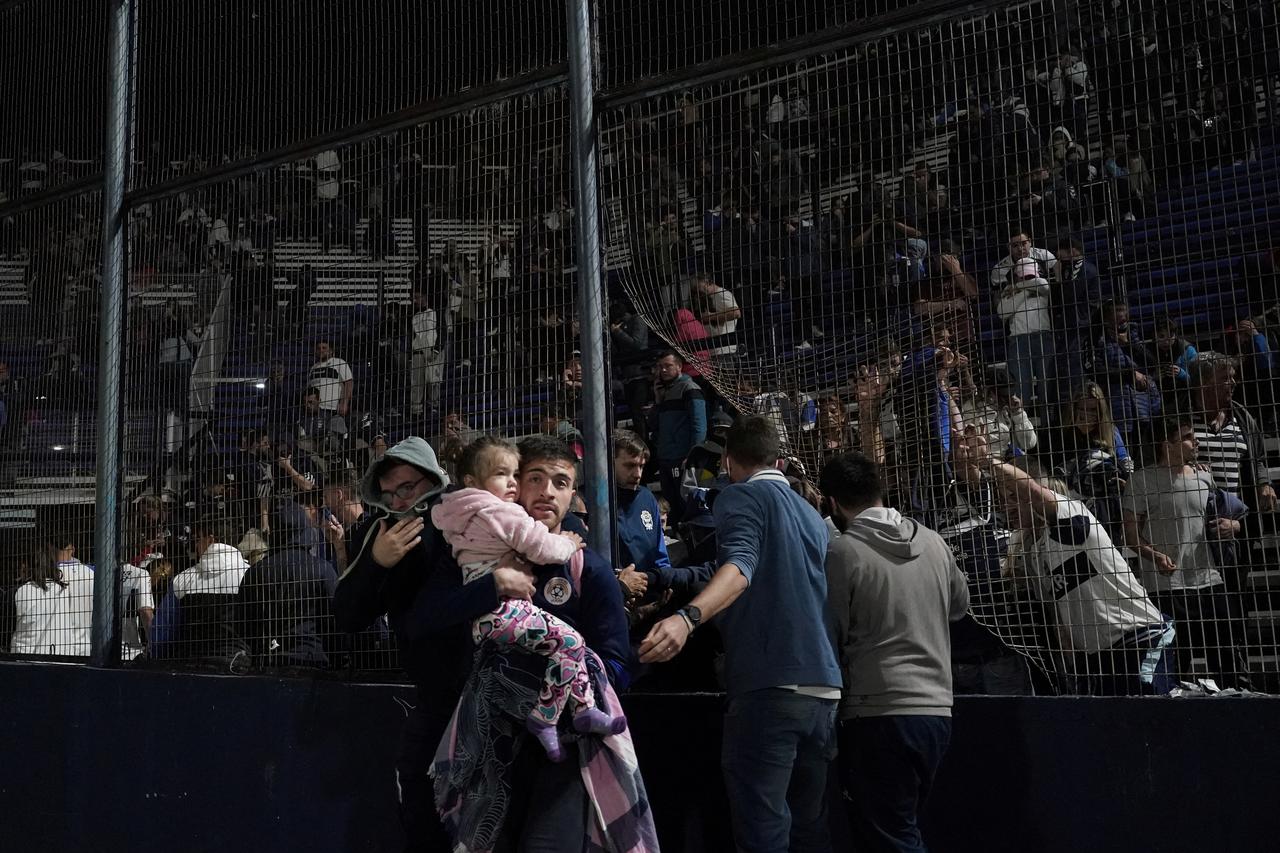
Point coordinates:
[[692, 615]]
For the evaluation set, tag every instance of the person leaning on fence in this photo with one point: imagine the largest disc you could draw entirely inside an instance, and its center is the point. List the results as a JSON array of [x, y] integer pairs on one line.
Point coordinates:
[[1117, 642], [895, 588], [781, 672]]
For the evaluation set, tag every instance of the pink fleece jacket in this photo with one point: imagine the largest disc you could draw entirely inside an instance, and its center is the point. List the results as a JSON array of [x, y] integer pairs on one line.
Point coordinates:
[[481, 528]]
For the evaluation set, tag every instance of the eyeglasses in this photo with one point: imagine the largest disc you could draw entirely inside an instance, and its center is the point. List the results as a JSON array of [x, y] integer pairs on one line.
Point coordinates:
[[402, 492]]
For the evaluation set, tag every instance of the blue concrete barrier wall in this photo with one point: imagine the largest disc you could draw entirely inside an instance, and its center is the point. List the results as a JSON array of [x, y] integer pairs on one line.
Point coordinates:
[[116, 761]]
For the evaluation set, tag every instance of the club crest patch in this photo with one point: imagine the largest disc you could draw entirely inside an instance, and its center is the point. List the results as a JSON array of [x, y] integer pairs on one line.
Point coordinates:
[[646, 518], [557, 590]]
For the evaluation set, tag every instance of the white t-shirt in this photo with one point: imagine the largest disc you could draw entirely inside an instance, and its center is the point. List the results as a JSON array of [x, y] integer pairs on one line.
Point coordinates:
[[1073, 564], [55, 620], [1172, 508], [424, 330], [327, 377], [135, 595], [720, 301]]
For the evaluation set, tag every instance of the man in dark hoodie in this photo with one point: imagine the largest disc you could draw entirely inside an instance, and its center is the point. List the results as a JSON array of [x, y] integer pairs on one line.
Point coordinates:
[[402, 567], [894, 588], [285, 598]]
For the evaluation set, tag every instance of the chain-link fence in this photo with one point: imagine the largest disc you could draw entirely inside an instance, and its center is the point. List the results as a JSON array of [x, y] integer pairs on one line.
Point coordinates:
[[987, 247]]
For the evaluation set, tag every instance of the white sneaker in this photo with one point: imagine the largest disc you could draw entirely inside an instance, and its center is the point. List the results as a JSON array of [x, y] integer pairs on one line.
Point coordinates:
[[804, 345]]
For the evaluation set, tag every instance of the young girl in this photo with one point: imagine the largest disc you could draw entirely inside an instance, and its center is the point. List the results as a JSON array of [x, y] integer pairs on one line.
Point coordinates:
[[485, 526], [1089, 453]]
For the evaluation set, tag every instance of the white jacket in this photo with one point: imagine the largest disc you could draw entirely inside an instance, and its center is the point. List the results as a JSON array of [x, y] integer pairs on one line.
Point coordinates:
[[1025, 307], [55, 620], [219, 572]]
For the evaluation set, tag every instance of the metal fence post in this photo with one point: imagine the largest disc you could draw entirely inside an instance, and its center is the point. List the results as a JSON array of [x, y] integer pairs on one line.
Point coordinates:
[[597, 489], [105, 637]]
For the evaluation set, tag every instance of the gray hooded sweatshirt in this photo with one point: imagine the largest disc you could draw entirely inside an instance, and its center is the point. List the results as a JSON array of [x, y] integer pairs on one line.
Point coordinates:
[[416, 452], [894, 588]]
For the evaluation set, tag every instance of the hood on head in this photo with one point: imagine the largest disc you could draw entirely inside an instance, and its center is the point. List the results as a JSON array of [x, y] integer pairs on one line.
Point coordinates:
[[414, 451], [220, 557], [885, 530], [291, 527]]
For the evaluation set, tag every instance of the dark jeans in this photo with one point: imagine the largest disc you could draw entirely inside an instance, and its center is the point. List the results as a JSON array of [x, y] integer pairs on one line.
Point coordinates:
[[1208, 624], [548, 812], [776, 755], [888, 765], [1132, 667], [418, 741]]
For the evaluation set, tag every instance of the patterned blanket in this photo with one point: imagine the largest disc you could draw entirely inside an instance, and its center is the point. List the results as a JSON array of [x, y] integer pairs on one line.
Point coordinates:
[[472, 767]]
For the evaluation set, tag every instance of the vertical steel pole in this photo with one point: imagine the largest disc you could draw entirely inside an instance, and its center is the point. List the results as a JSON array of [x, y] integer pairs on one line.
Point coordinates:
[[105, 637], [597, 488]]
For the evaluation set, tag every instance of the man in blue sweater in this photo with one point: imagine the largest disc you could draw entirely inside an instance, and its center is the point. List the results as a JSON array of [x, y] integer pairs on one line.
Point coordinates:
[[780, 665]]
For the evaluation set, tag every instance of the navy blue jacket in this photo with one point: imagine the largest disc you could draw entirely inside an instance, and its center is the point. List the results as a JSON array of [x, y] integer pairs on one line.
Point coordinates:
[[430, 611], [284, 598], [427, 607], [639, 531], [778, 632]]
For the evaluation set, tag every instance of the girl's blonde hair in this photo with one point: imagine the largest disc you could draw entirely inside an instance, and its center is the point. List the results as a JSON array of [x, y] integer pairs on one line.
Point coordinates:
[[1106, 423], [477, 457], [161, 570]]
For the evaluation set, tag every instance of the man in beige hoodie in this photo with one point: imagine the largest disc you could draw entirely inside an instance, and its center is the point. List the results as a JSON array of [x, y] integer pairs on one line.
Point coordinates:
[[894, 588]]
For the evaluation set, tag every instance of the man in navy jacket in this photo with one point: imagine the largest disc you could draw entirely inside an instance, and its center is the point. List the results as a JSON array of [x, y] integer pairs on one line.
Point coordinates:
[[413, 578]]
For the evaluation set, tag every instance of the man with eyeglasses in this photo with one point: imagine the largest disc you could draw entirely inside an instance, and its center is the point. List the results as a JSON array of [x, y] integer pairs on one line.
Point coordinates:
[[1020, 248], [402, 567]]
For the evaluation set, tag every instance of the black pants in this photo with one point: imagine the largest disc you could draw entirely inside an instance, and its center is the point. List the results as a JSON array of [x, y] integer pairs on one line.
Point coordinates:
[[1208, 623], [888, 765], [548, 812], [418, 741]]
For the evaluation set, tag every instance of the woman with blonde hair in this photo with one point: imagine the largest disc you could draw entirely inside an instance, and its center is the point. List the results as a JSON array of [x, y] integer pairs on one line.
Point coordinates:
[[1088, 453]]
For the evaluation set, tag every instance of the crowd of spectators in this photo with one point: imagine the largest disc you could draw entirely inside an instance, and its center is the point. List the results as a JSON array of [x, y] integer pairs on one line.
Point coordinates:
[[1045, 135]]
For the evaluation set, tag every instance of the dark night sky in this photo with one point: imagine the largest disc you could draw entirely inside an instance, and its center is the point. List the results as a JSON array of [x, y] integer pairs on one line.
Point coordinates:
[[218, 74]]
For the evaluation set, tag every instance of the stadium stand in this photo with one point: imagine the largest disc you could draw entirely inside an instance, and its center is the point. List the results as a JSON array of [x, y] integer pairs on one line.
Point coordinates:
[[822, 195]]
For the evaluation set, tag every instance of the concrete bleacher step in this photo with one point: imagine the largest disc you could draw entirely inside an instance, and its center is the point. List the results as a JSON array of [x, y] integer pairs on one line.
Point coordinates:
[[1263, 579], [13, 281], [1264, 661]]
